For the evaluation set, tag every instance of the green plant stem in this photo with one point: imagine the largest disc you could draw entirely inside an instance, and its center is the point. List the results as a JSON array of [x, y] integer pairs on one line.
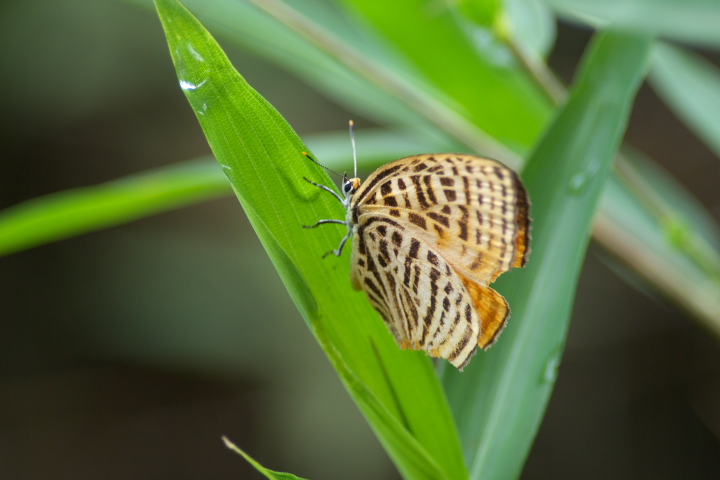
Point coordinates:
[[549, 84]]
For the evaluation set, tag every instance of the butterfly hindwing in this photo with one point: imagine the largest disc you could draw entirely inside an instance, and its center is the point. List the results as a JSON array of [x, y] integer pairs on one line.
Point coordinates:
[[425, 303]]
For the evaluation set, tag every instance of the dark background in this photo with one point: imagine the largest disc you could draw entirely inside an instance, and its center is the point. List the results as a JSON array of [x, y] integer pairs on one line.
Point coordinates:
[[127, 353]]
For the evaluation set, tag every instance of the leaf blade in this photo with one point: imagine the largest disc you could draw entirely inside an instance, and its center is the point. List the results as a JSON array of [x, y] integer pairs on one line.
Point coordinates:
[[73, 212], [565, 175], [261, 155], [270, 474], [690, 86], [487, 88], [690, 21]]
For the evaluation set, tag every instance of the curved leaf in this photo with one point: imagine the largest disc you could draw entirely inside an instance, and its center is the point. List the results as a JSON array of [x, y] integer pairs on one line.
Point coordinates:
[[488, 85], [503, 402], [690, 85], [73, 212], [688, 20], [262, 157], [271, 475]]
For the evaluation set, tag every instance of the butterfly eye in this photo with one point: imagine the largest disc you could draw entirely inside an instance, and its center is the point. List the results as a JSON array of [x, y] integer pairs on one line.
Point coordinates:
[[347, 187]]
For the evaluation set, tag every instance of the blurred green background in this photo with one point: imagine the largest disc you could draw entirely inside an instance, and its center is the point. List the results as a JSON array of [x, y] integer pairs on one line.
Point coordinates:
[[123, 354]]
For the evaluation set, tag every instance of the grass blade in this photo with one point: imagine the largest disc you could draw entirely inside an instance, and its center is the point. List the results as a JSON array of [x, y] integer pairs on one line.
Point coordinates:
[[501, 399], [690, 85], [271, 475], [690, 20], [261, 155], [683, 235], [485, 91], [73, 212], [69, 213]]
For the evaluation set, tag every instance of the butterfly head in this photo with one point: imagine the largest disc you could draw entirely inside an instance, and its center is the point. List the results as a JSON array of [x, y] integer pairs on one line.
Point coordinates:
[[350, 186]]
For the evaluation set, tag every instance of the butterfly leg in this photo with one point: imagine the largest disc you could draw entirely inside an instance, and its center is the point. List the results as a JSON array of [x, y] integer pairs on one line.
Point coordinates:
[[339, 250], [327, 189], [323, 222]]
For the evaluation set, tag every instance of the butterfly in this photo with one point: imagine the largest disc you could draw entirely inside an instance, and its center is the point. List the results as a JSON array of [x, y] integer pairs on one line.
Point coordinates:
[[429, 234]]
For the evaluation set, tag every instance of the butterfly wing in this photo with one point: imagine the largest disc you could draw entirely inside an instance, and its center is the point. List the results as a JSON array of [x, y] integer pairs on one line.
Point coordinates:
[[473, 210], [426, 304]]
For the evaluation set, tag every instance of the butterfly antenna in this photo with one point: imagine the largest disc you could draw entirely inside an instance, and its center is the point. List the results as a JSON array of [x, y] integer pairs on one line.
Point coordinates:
[[352, 139], [323, 166]]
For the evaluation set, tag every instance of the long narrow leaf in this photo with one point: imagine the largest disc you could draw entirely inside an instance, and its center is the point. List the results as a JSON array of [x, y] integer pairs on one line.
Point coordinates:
[[270, 474], [72, 212], [690, 85], [687, 20], [431, 37], [689, 272], [502, 398], [261, 155]]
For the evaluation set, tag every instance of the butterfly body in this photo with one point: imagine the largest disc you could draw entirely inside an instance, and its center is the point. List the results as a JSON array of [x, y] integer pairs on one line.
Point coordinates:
[[429, 234]]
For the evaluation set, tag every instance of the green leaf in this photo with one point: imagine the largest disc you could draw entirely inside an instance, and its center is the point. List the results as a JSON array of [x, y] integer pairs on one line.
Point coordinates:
[[690, 270], [73, 212], [503, 395], [262, 156], [486, 13], [336, 63], [690, 85], [487, 87], [272, 475], [532, 24], [250, 27], [687, 20], [352, 61]]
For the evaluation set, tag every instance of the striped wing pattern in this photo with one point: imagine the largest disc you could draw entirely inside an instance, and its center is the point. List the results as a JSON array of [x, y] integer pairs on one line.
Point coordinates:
[[430, 232], [474, 210], [424, 302]]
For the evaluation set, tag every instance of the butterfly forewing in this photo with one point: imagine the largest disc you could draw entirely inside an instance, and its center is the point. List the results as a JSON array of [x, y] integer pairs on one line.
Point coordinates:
[[472, 209]]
